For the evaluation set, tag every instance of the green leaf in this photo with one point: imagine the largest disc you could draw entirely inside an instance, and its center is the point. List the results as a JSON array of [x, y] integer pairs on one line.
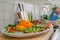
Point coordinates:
[[55, 26], [6, 28], [37, 29], [54, 8], [34, 29], [12, 25], [30, 29], [26, 30]]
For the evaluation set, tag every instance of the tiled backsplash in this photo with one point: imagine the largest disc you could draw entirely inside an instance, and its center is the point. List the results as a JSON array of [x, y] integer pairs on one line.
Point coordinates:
[[7, 13], [8, 10]]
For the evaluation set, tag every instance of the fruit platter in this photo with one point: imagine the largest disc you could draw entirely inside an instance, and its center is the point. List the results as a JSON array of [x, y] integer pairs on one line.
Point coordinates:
[[27, 28]]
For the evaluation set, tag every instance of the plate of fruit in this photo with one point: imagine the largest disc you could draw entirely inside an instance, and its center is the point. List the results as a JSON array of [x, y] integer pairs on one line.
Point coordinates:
[[26, 28]]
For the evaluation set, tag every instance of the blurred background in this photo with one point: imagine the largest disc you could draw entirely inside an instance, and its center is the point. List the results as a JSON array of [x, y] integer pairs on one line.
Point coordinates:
[[9, 8]]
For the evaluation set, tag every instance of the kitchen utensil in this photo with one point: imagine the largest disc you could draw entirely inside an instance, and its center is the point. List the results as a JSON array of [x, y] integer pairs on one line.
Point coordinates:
[[20, 14], [22, 7], [25, 13], [19, 6]]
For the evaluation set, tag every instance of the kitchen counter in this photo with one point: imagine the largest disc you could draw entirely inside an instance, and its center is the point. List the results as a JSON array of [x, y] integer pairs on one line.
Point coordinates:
[[44, 36]]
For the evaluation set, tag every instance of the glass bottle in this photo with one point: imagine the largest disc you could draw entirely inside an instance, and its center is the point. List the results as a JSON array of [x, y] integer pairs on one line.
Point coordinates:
[[30, 16]]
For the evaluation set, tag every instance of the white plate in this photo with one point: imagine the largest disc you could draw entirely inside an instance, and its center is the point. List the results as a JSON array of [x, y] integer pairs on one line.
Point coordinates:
[[24, 35]]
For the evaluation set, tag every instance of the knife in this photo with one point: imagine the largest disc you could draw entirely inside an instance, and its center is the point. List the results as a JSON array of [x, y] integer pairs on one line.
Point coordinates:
[[21, 14], [19, 6], [22, 7]]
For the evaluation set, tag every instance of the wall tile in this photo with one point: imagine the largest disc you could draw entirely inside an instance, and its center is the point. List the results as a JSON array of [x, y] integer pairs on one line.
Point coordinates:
[[1, 0], [1, 25], [12, 15], [28, 7], [11, 21], [6, 15], [6, 22], [6, 6], [37, 13], [1, 6], [1, 15], [10, 6], [12, 1], [7, 12], [15, 7]]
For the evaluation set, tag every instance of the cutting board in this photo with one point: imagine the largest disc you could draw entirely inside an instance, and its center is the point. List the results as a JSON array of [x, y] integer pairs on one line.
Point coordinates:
[[44, 36]]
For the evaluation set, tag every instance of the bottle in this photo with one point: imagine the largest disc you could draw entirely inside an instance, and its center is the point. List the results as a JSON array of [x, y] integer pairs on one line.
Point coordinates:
[[30, 16]]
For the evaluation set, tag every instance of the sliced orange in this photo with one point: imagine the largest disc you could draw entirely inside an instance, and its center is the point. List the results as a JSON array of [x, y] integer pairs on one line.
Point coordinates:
[[19, 27]]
